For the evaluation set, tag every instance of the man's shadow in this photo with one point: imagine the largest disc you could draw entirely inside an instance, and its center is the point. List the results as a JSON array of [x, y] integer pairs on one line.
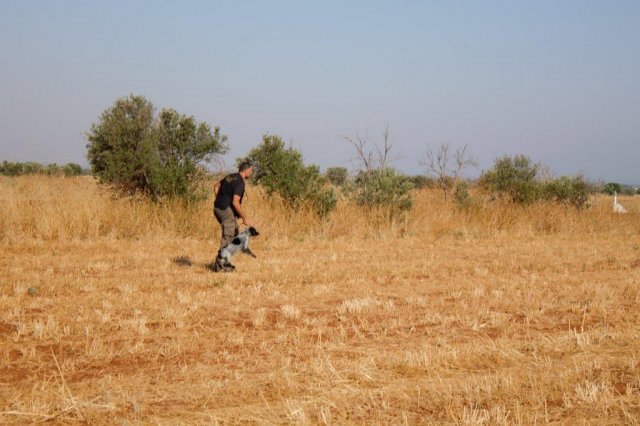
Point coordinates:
[[186, 262]]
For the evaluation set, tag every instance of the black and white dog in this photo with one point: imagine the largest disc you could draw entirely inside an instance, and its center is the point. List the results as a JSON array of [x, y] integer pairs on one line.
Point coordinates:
[[239, 244]]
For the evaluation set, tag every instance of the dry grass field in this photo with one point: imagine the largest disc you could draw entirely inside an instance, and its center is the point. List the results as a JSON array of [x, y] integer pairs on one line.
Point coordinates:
[[500, 315]]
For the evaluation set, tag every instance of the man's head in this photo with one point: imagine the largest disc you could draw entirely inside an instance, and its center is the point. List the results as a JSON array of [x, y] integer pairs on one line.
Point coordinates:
[[245, 169]]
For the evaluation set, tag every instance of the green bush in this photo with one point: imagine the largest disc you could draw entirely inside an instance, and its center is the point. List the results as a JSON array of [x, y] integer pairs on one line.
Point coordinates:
[[514, 177], [384, 188], [517, 178], [461, 196], [281, 170], [32, 168], [337, 175], [325, 202], [422, 181], [612, 187], [565, 189], [72, 169], [136, 152]]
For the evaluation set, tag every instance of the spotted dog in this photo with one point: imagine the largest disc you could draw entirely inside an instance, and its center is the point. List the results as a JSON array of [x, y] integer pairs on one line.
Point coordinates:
[[239, 244]]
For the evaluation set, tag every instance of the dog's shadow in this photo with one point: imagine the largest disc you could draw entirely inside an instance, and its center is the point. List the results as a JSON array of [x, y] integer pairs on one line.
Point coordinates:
[[186, 262]]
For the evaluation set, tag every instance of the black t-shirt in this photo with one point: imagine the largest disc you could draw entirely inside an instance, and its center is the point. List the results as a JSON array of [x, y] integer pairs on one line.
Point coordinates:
[[231, 185]]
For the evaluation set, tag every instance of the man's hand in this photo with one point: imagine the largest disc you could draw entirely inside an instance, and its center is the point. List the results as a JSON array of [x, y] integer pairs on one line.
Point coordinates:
[[239, 210]]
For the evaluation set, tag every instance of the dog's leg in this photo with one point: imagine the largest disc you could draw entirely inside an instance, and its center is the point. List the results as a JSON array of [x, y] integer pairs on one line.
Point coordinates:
[[248, 251], [227, 266]]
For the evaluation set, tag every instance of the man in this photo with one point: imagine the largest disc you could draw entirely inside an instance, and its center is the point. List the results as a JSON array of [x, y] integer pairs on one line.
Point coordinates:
[[228, 206]]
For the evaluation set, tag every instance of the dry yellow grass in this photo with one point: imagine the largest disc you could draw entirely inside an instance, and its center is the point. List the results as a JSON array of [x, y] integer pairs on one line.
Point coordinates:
[[497, 316]]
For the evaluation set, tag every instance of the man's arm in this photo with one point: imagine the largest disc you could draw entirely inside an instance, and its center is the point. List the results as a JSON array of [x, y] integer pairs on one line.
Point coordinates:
[[216, 188], [238, 209]]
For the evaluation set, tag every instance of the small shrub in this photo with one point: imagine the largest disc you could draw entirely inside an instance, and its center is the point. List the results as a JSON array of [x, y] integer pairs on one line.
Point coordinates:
[[514, 177], [462, 198], [612, 187], [422, 181], [383, 188], [570, 190], [337, 175], [325, 202], [377, 184], [72, 169]]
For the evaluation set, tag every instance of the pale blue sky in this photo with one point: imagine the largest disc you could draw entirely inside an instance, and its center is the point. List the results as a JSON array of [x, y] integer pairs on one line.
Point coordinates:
[[556, 80]]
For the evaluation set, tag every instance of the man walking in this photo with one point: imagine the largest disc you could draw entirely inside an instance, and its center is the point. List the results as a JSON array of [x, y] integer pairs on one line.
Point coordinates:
[[228, 206]]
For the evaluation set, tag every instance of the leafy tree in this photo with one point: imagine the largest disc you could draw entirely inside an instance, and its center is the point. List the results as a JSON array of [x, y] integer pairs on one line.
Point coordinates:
[[135, 152], [183, 145], [281, 170]]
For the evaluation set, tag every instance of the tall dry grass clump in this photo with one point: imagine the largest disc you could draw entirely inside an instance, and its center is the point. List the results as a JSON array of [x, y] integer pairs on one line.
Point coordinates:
[[63, 209]]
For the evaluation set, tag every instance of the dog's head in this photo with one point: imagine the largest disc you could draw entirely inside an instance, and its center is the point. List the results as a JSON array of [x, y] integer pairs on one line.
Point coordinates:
[[253, 231]]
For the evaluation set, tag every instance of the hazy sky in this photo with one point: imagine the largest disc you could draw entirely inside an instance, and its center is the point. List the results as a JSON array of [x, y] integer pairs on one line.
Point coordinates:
[[557, 80]]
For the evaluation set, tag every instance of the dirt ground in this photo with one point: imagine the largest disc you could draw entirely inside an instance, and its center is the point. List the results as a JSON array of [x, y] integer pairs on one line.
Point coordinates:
[[458, 329]]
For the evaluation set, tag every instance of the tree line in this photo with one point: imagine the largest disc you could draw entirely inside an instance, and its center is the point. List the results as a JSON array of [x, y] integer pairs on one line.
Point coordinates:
[[8, 168], [136, 150]]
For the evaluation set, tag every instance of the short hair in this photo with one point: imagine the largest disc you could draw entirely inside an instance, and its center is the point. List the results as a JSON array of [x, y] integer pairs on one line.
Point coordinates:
[[244, 166]]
